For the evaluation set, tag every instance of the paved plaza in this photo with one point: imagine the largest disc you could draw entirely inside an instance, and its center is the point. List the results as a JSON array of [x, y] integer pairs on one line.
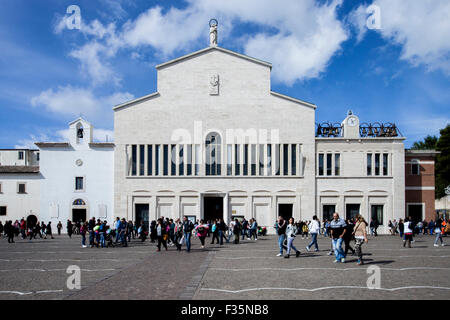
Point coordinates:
[[250, 270]]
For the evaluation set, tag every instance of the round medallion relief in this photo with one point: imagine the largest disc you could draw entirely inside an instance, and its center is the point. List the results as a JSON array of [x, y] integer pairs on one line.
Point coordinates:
[[79, 162]]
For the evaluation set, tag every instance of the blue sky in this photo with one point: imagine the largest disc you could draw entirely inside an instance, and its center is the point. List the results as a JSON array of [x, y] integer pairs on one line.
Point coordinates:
[[321, 52]]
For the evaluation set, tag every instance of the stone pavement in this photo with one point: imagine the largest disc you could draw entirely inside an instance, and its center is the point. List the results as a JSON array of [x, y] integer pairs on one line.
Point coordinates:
[[250, 270]]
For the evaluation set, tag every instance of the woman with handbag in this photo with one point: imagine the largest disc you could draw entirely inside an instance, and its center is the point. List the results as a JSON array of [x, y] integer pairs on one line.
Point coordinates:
[[360, 235]]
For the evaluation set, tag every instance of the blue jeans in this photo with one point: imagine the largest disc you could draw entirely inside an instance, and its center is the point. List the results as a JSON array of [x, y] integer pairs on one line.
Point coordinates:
[[91, 237], [83, 239], [187, 238], [280, 242], [102, 239], [337, 247], [314, 241], [438, 237], [290, 245], [221, 237]]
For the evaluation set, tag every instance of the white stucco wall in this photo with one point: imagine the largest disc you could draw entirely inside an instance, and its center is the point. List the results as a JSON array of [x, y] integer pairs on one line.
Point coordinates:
[[244, 102], [59, 169], [20, 205]]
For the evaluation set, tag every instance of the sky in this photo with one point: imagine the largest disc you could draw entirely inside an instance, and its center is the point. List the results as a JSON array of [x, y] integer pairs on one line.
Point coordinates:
[[386, 60]]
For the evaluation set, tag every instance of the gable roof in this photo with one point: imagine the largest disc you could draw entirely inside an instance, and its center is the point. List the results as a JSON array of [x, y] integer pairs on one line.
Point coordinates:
[[196, 53]]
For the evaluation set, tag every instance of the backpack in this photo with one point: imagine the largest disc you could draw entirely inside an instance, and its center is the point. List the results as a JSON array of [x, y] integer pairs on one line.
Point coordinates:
[[201, 230]]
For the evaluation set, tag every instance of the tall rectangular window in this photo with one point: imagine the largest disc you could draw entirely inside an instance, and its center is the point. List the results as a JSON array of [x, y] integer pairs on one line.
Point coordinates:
[[157, 153], [20, 155], [337, 164], [165, 159], [181, 161], [173, 160], [377, 164], [269, 159], [79, 185], [245, 169], [237, 160], [229, 159], [21, 188], [294, 159], [261, 159], [369, 164], [385, 164], [149, 159], [321, 158], [253, 165], [285, 159], [277, 159], [329, 164], [134, 160], [415, 167], [198, 159], [141, 160], [3, 211], [189, 160]]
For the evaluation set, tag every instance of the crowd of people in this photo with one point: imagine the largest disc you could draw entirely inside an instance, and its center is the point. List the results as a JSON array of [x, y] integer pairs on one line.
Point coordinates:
[[166, 232]]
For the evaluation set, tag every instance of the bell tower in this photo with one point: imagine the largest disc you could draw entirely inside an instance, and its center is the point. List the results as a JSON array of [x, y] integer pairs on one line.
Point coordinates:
[[350, 126]]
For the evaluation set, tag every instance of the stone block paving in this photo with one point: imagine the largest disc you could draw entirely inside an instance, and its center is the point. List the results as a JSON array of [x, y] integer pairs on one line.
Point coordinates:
[[250, 270], [253, 271], [37, 270]]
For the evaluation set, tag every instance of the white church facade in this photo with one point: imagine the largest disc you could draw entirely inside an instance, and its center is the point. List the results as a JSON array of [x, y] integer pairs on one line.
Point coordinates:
[[215, 141]]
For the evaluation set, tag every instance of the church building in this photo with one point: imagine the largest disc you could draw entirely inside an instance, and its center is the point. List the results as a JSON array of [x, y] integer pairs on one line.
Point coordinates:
[[214, 141]]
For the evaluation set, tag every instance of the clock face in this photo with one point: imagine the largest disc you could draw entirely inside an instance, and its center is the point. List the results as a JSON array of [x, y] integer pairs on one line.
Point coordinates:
[[352, 121]]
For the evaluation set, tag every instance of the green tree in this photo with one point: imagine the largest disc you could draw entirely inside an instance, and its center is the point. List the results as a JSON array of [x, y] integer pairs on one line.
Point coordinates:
[[429, 143], [443, 162]]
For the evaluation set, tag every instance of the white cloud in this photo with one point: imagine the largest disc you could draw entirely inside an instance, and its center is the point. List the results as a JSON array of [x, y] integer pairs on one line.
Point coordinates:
[[28, 143], [421, 28], [304, 36], [72, 101]]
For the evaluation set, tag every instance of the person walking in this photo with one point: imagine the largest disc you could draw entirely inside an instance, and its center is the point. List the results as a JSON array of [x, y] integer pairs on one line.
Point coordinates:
[[2, 228], [9, 230], [59, 227], [48, 231], [117, 227], [337, 229], [401, 228], [237, 227], [360, 236], [215, 232], [281, 231], [254, 229], [161, 233], [83, 229], [222, 230], [188, 226], [314, 229], [69, 228], [178, 234], [348, 237], [438, 232], [408, 228], [291, 231], [202, 232]]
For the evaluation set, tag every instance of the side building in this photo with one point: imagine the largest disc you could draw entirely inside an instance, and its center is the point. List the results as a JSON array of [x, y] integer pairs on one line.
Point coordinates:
[[360, 170], [77, 176], [420, 184]]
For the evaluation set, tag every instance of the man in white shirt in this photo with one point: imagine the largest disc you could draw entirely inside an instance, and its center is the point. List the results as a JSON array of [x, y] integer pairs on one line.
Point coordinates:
[[314, 228]]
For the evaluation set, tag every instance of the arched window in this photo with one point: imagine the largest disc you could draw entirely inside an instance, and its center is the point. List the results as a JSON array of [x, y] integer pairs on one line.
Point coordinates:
[[213, 150], [80, 133], [79, 202]]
